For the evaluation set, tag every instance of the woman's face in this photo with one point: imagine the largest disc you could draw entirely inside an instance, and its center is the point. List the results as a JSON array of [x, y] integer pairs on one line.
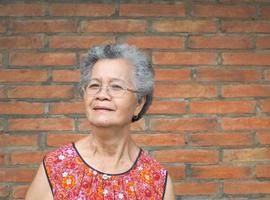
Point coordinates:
[[103, 109]]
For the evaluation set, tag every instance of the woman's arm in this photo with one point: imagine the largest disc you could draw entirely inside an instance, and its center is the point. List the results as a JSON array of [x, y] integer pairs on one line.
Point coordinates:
[[39, 188], [169, 192]]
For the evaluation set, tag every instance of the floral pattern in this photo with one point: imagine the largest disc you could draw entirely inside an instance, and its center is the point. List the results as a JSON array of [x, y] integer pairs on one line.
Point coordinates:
[[70, 177]]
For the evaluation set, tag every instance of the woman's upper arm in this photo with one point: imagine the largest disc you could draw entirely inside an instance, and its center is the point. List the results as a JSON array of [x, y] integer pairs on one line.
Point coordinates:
[[39, 188], [169, 192]]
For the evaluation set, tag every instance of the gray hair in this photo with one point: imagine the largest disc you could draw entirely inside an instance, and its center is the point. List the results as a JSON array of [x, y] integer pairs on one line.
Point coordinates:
[[143, 74]]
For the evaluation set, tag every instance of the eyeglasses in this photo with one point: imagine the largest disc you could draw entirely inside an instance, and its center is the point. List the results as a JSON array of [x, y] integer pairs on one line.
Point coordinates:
[[115, 88]]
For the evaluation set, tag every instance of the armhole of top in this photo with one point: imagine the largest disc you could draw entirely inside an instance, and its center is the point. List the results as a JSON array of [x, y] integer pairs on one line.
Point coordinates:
[[165, 185], [48, 178]]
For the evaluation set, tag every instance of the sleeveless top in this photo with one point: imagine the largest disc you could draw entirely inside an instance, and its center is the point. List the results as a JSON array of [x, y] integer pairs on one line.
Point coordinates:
[[71, 178]]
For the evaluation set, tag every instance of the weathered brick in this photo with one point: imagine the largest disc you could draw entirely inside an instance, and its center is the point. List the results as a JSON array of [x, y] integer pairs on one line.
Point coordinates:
[[14, 75], [190, 124], [81, 9], [263, 137], [45, 124], [66, 75], [4, 191], [250, 187], [21, 108], [22, 9], [263, 42], [246, 155], [16, 175], [245, 27], [246, 91], [257, 59], [213, 74], [191, 189], [203, 26], [265, 11], [46, 26], [220, 172], [3, 27], [21, 42], [221, 139], [172, 74], [26, 157], [155, 42], [245, 123], [58, 139], [187, 156], [183, 58], [67, 108], [154, 9], [265, 105], [19, 192], [114, 26], [263, 171], [222, 107], [83, 42], [18, 141], [159, 139], [226, 11], [184, 90], [47, 92], [42, 59], [176, 172], [166, 107]]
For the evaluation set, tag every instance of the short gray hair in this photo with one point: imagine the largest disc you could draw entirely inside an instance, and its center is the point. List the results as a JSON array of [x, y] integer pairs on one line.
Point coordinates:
[[143, 74]]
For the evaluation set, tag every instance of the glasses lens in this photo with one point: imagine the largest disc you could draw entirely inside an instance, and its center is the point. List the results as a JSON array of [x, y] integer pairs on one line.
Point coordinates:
[[116, 89], [93, 88]]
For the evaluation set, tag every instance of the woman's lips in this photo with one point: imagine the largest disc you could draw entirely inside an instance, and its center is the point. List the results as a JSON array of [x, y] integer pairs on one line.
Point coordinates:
[[102, 109]]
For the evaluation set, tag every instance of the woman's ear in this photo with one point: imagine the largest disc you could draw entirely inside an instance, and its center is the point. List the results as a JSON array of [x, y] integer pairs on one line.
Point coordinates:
[[140, 105]]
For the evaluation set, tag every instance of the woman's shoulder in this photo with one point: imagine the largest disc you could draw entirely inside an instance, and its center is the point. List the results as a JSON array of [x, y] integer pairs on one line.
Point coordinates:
[[61, 152]]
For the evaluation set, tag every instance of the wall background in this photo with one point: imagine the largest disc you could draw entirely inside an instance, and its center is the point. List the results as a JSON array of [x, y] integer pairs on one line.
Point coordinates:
[[210, 121]]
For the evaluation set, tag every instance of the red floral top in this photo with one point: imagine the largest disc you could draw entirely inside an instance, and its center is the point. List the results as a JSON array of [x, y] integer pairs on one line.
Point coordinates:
[[70, 177]]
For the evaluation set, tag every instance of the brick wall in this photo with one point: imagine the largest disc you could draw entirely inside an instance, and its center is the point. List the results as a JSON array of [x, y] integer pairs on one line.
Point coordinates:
[[210, 121]]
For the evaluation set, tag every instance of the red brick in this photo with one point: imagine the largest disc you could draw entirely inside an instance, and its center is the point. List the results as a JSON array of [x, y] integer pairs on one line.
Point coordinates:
[[263, 137], [42, 59], [190, 26], [67, 108], [176, 172], [166, 107], [220, 172], [26, 157], [152, 10], [16, 175], [21, 42], [18, 141], [3, 27], [263, 42], [159, 139], [265, 11], [184, 58], [184, 90], [2, 93], [59, 124], [46, 26], [265, 105], [191, 189], [83, 42], [245, 123], [21, 108], [246, 155], [225, 11], [267, 76], [56, 140], [172, 74], [246, 91], [1, 60], [4, 191], [246, 27], [263, 171], [20, 191], [256, 59], [155, 42], [190, 124], [13, 75], [212, 74], [81, 9], [48, 92], [221, 139], [66, 75], [2, 161], [222, 107], [220, 42], [22, 9], [114, 26], [251, 187], [187, 156]]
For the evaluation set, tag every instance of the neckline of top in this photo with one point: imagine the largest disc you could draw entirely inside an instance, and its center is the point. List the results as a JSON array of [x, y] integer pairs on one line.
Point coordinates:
[[104, 173]]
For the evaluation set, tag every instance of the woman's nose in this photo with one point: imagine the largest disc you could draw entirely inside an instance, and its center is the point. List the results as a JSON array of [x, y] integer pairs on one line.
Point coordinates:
[[103, 93]]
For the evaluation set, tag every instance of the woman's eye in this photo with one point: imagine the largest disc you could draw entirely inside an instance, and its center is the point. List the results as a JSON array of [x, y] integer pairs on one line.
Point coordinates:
[[117, 87], [93, 86]]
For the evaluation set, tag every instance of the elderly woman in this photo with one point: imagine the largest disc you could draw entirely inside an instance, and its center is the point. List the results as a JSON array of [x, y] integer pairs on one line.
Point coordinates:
[[117, 86]]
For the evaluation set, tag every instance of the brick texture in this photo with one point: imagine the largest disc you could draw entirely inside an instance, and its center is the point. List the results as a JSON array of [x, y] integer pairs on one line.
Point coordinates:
[[209, 123]]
